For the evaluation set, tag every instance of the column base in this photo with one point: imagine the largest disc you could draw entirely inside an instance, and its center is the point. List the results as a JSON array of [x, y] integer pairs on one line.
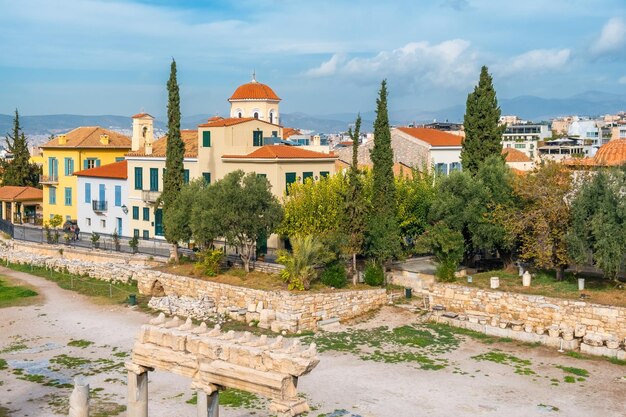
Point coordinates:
[[289, 408]]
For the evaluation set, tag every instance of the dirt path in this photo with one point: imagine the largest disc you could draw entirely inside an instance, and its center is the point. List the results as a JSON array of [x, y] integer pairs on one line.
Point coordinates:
[[36, 337]]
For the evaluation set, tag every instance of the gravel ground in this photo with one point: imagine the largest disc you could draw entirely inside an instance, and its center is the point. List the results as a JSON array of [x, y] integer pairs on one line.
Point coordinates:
[[35, 339]]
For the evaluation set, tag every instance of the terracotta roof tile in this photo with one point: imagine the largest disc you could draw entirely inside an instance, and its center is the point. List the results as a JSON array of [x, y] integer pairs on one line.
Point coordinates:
[[513, 155], [282, 152], [118, 170], [433, 136], [290, 131], [254, 91], [222, 122], [609, 154], [140, 115], [14, 193], [89, 137], [159, 147]]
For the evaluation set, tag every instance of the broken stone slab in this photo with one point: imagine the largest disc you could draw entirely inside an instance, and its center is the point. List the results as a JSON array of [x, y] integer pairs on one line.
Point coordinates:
[[554, 331], [599, 350], [593, 339], [517, 325], [612, 343], [324, 324], [289, 408], [450, 315], [580, 330]]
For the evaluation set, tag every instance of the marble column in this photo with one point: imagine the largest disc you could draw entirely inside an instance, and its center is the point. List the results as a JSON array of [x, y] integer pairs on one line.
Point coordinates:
[[208, 404], [79, 399], [137, 390]]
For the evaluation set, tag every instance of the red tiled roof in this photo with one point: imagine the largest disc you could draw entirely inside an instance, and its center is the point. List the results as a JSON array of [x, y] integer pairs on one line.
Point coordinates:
[[254, 91], [282, 152], [140, 115], [513, 155], [290, 131], [14, 193], [222, 122], [159, 147], [433, 136], [118, 170], [89, 137]]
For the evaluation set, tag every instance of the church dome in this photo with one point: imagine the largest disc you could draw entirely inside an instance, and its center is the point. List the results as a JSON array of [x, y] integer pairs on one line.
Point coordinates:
[[612, 153], [254, 90]]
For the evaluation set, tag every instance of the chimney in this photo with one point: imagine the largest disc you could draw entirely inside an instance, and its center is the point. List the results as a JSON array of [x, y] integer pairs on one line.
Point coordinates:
[[104, 139], [148, 148], [62, 139], [143, 132]]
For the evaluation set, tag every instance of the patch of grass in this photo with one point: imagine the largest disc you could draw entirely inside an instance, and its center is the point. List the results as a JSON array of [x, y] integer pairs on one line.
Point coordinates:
[[84, 285], [12, 295], [548, 407], [616, 361], [69, 362], [3, 364], [522, 366], [569, 379], [576, 355], [409, 344], [240, 399], [120, 354], [194, 399], [81, 343], [15, 346], [4, 412], [574, 371]]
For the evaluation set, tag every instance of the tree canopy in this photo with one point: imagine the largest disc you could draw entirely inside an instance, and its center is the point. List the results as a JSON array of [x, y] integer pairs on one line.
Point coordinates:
[[19, 170]]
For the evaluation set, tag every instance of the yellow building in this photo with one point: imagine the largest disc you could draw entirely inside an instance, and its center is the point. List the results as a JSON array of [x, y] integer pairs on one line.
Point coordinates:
[[82, 148]]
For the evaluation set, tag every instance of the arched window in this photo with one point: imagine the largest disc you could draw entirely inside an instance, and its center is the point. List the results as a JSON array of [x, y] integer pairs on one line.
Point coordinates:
[[271, 117], [256, 115], [239, 115]]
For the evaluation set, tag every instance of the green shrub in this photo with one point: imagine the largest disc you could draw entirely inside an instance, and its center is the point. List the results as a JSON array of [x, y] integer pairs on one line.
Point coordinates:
[[335, 275], [445, 270], [209, 262], [374, 274]]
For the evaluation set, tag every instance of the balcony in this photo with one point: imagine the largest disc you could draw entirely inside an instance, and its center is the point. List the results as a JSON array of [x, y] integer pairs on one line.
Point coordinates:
[[49, 179], [99, 206], [150, 196]]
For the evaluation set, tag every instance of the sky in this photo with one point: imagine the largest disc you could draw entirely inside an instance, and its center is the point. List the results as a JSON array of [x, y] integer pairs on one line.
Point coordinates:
[[321, 57]]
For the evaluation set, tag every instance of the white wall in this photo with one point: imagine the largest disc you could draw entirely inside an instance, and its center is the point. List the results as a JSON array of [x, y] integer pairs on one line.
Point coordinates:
[[445, 155], [90, 221]]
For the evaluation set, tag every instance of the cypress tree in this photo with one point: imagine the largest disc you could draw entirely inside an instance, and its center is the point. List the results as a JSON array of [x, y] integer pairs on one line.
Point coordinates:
[[384, 232], [19, 171], [483, 134], [175, 153], [356, 206]]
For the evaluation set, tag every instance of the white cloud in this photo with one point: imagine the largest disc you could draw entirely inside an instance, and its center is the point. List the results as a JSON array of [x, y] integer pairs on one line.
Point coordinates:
[[612, 38], [449, 63], [535, 61]]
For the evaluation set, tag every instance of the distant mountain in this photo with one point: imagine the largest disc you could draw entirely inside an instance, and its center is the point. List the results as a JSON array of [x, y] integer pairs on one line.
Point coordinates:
[[589, 103]]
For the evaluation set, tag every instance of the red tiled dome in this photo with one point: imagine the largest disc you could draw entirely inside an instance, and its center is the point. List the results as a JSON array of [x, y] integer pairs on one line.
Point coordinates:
[[254, 91], [612, 153]]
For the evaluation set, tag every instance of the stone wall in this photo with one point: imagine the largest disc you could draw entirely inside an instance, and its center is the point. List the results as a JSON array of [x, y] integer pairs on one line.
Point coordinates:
[[275, 310], [592, 325]]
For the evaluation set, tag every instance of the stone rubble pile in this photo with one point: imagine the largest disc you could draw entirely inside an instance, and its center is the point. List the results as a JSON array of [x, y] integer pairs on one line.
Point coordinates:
[[202, 308]]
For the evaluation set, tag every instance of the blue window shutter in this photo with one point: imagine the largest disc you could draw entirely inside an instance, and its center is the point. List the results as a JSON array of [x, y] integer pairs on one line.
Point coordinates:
[[118, 195], [88, 192], [97, 162], [186, 176], [101, 196], [85, 164]]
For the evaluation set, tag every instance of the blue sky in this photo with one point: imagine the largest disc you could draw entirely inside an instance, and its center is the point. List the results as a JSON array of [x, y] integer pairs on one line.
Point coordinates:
[[321, 57]]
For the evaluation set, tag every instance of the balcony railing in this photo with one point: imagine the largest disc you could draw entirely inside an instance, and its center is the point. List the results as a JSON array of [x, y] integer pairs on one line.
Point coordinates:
[[150, 196], [48, 179], [99, 205]]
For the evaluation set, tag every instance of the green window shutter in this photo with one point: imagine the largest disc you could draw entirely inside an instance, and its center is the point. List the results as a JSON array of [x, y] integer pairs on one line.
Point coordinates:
[[135, 232], [306, 175], [138, 178], [154, 179], [261, 175], [324, 174], [207, 177], [257, 138], [135, 213], [52, 196], [290, 178], [186, 176], [206, 139], [146, 214]]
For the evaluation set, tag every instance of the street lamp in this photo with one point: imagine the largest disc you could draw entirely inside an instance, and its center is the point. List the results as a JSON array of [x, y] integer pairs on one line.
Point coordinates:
[[125, 209]]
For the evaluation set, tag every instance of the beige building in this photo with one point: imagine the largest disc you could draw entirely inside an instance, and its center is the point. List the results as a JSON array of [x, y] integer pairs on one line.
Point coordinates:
[[217, 147]]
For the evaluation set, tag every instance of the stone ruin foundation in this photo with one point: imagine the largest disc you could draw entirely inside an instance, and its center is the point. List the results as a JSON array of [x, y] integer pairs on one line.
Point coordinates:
[[215, 360]]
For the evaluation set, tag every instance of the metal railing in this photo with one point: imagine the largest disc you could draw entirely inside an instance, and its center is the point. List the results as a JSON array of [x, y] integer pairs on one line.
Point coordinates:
[[99, 205], [150, 196], [49, 179]]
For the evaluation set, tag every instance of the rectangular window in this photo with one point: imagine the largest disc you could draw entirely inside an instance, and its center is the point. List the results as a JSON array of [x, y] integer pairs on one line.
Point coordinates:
[[257, 138], [207, 177], [306, 175], [88, 192], [455, 166], [135, 232], [146, 214], [135, 213], [290, 178], [520, 146], [69, 167], [91, 163], [119, 159], [261, 175], [103, 223], [186, 176], [206, 139], [154, 179], [146, 235], [52, 195], [68, 196], [324, 174], [88, 221], [441, 169], [138, 178], [118, 196], [53, 169]]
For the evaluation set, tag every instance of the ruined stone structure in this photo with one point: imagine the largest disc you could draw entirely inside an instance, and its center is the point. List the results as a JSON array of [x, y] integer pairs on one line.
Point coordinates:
[[215, 360]]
